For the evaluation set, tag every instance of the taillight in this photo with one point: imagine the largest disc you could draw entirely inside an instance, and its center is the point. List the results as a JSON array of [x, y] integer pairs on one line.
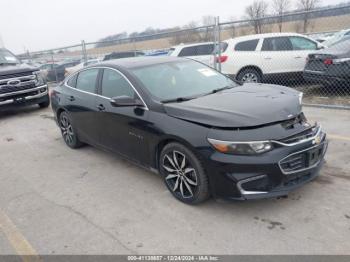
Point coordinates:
[[328, 61], [221, 59]]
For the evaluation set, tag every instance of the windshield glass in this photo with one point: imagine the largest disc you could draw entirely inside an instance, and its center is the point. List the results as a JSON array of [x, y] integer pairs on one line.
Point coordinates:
[[181, 79], [7, 57], [341, 46]]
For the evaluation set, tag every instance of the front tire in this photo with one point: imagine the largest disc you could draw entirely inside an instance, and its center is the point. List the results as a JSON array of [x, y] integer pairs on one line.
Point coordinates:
[[183, 174], [68, 132], [45, 104], [249, 75]]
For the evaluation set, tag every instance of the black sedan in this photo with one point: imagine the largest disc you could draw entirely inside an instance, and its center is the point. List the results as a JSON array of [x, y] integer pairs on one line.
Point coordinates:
[[204, 133], [330, 66]]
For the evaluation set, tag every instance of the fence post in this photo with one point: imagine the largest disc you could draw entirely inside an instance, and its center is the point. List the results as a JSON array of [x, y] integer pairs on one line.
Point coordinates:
[[219, 41], [83, 48], [217, 45]]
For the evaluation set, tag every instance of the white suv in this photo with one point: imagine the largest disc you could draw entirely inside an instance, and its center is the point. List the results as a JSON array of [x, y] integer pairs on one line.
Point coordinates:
[[202, 52], [257, 58]]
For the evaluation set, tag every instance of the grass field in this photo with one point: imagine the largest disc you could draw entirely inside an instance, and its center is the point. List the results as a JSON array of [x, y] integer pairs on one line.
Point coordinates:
[[324, 24]]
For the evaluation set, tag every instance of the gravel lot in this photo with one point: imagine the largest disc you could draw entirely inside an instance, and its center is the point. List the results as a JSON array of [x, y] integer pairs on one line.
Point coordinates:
[[54, 200]]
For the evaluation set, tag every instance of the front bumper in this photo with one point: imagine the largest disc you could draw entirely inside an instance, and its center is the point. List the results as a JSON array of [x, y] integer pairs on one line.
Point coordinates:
[[26, 97], [265, 176]]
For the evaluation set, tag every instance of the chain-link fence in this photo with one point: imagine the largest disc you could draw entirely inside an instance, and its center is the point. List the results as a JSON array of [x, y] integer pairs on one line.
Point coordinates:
[[308, 51]]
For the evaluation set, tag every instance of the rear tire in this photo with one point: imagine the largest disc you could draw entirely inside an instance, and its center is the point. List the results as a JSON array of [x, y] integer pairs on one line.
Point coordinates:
[[183, 174], [249, 75], [68, 132]]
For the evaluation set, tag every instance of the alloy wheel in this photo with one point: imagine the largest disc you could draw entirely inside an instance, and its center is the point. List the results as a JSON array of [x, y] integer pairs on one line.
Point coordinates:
[[67, 130], [250, 78], [181, 177]]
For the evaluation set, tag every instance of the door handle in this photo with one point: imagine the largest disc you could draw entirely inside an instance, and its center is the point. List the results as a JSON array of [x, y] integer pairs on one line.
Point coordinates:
[[268, 58], [101, 107], [71, 98], [298, 57]]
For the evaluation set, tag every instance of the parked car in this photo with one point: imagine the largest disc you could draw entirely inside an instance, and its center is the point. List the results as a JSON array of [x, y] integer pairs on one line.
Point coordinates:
[[119, 55], [56, 71], [202, 52], [204, 133], [337, 37], [158, 52], [266, 57], [20, 84], [330, 66], [73, 69]]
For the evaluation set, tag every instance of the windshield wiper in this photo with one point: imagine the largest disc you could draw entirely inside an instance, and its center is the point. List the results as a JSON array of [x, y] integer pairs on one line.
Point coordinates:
[[8, 63], [221, 89], [177, 100]]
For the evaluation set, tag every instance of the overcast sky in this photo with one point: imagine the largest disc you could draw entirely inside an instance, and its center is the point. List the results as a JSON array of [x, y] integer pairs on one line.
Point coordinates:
[[45, 24]]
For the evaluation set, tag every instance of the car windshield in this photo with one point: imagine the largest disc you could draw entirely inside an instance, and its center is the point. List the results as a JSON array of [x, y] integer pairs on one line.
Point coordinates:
[[341, 46], [185, 79], [7, 57]]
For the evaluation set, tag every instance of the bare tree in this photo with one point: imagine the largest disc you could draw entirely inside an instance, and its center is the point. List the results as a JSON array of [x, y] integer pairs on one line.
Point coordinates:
[[280, 7], [307, 5], [190, 34], [255, 13], [209, 22], [233, 31]]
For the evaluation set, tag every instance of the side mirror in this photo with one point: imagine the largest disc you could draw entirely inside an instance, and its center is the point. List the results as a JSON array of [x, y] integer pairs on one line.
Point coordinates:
[[125, 101]]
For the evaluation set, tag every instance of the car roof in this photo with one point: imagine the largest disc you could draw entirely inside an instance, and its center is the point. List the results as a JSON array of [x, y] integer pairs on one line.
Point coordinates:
[[192, 44], [258, 36], [142, 61]]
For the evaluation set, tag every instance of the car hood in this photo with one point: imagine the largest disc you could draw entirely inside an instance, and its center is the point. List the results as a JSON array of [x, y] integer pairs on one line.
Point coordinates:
[[16, 69], [245, 106]]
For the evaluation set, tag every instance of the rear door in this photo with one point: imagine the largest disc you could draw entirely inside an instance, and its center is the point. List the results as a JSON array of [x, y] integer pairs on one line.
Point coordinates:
[[302, 47], [277, 55], [121, 129], [240, 55], [81, 103]]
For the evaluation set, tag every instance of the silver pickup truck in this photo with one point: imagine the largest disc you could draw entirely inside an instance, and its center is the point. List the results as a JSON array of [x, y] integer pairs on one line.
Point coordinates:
[[20, 84]]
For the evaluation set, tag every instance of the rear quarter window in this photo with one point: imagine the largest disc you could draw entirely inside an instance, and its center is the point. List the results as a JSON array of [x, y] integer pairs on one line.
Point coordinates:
[[247, 45], [197, 50]]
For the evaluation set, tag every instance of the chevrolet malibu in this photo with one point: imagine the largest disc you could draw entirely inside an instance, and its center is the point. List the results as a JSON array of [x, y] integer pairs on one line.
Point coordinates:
[[205, 134]]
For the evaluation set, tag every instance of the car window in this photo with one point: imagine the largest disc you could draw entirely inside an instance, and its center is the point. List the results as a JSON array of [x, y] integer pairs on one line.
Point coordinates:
[[197, 50], [114, 84], [247, 45], [348, 33], [188, 51], [72, 81], [171, 50], [301, 43], [277, 44], [87, 80], [205, 49]]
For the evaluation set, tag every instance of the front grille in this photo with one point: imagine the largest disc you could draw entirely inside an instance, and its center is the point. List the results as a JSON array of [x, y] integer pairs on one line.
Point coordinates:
[[303, 160], [294, 163], [15, 75], [25, 81], [4, 89]]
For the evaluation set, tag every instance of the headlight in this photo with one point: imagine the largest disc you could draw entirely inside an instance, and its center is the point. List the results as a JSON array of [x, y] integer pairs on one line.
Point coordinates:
[[241, 148], [39, 79], [301, 98]]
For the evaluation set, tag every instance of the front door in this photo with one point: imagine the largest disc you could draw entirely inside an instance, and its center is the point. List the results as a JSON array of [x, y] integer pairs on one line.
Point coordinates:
[[121, 129]]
